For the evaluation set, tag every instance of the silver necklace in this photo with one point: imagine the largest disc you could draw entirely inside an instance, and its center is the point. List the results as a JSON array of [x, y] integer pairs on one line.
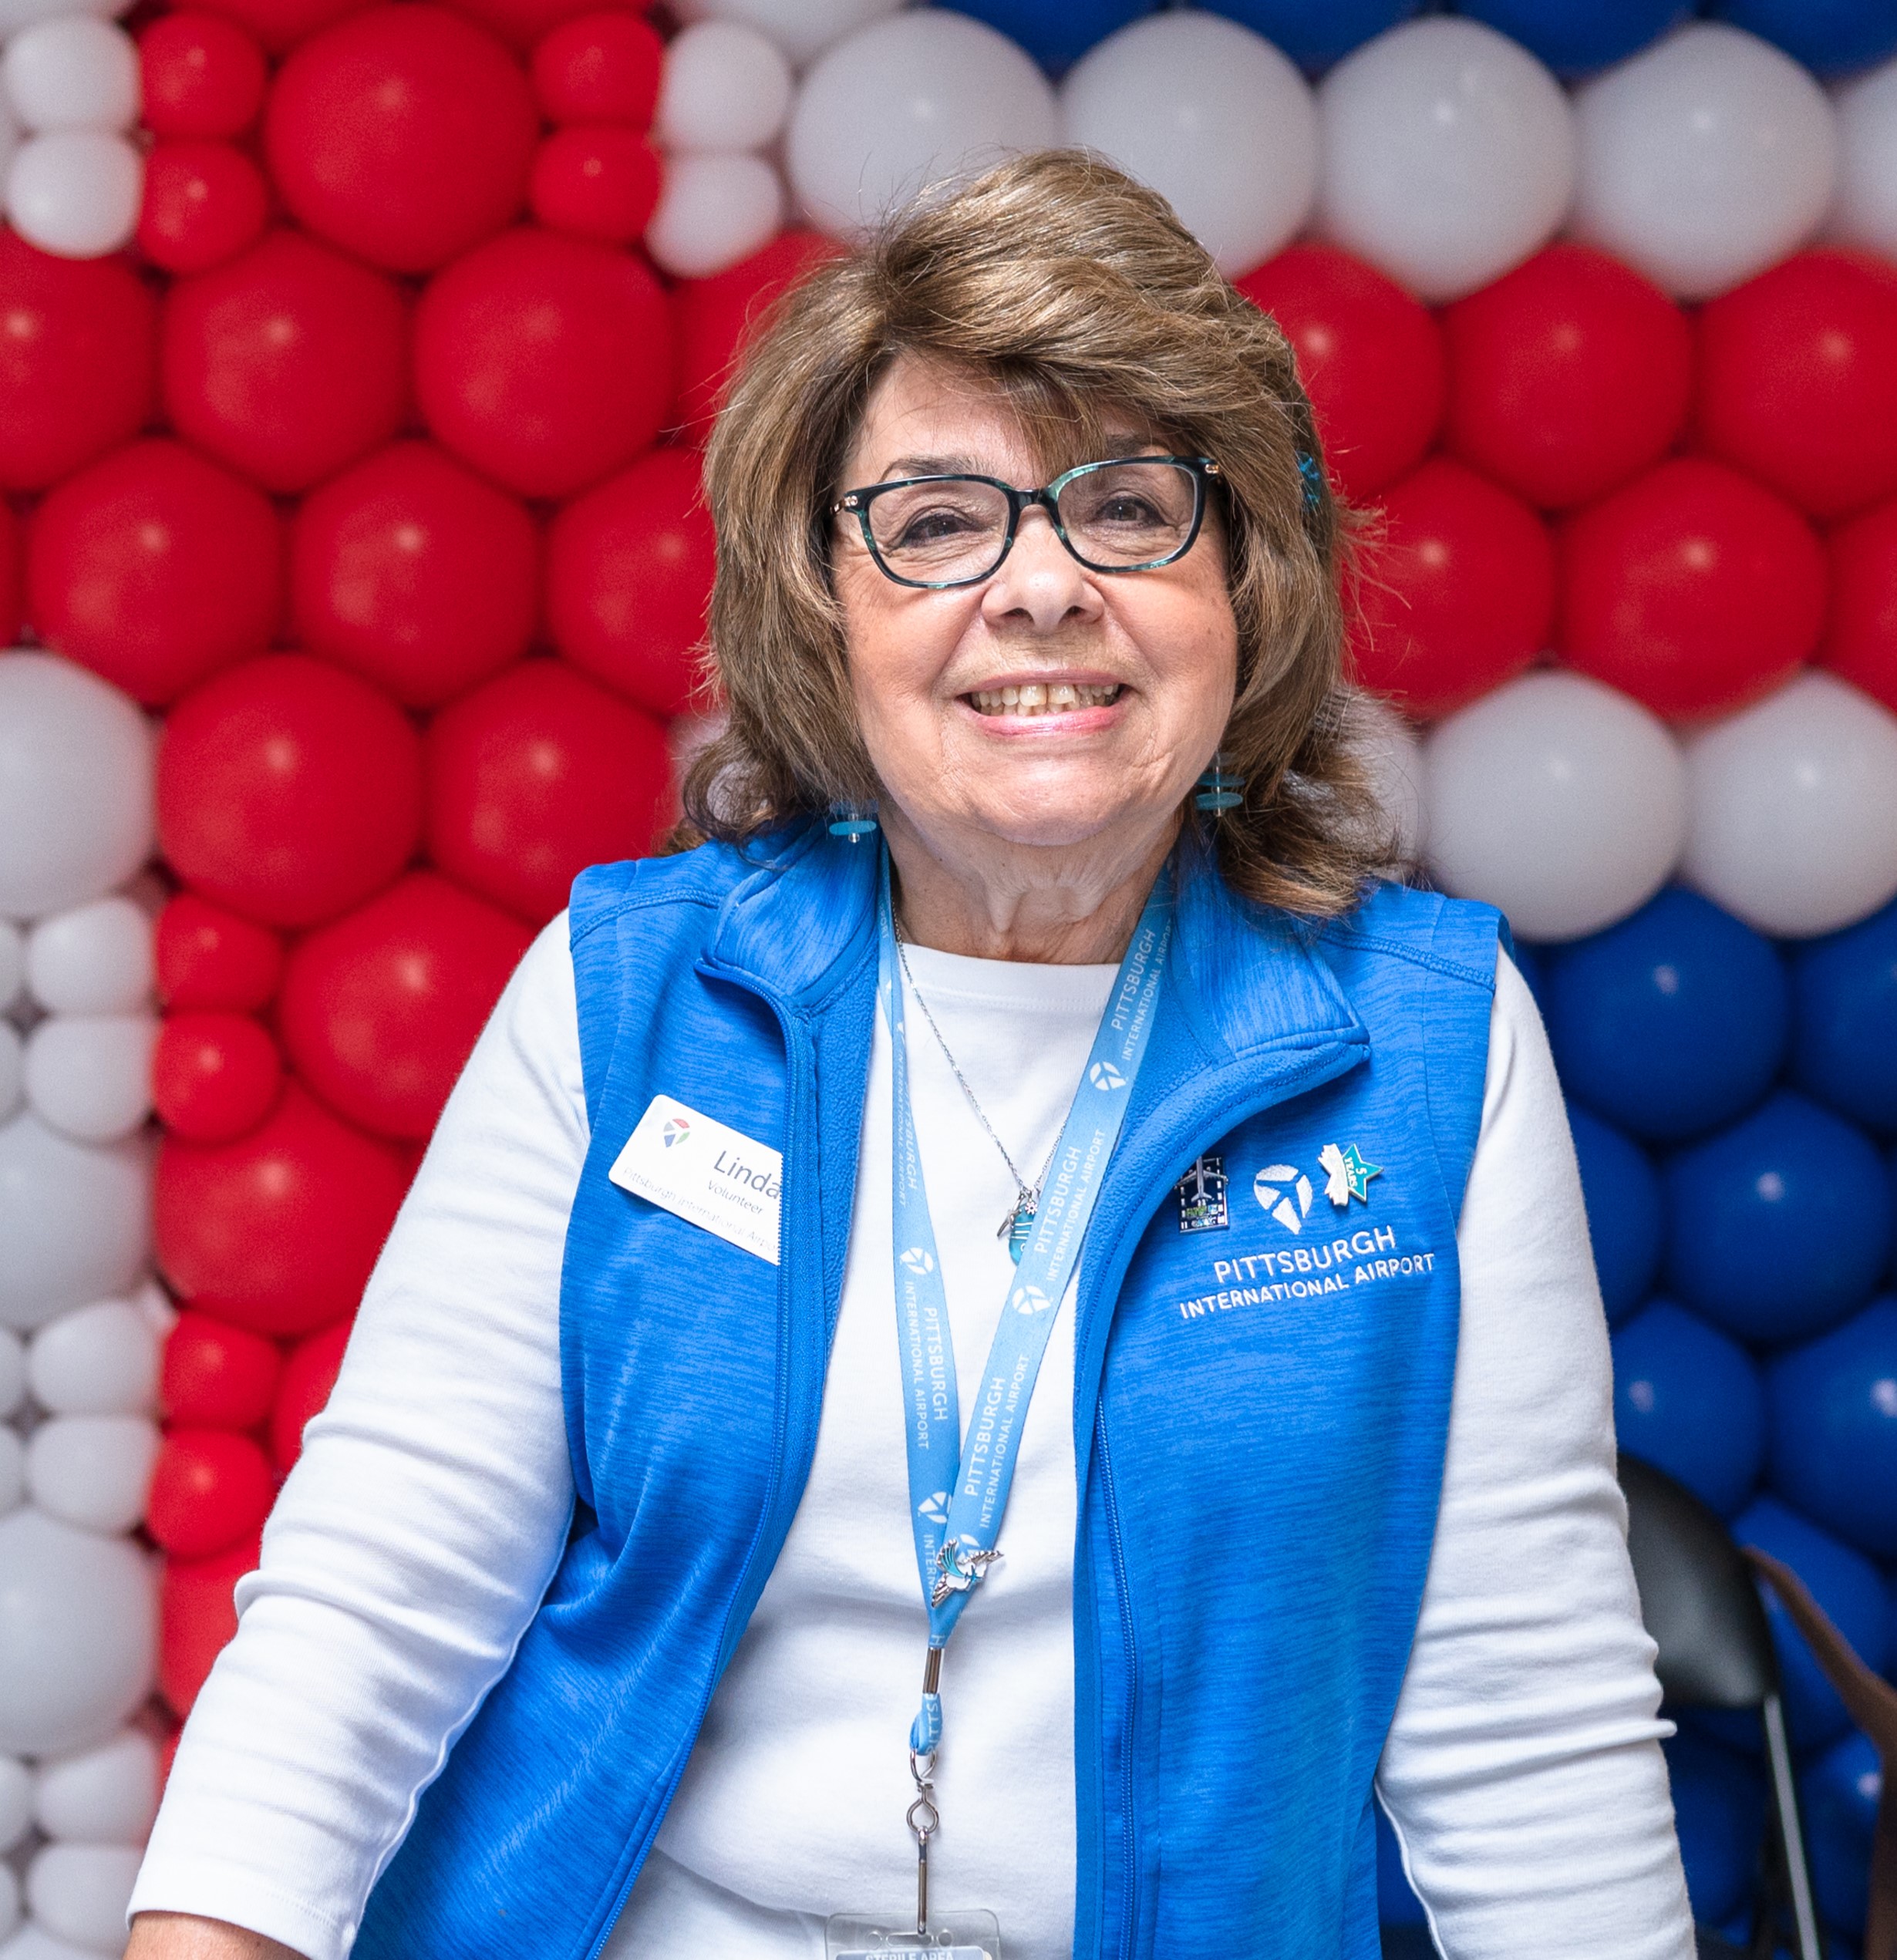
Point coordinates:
[[1019, 1219]]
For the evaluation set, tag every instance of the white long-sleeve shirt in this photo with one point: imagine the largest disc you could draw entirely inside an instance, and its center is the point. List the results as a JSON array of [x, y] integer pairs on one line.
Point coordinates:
[[413, 1543]]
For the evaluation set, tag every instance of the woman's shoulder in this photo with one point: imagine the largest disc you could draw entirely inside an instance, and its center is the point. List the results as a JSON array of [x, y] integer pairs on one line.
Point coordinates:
[[704, 876], [1456, 938]]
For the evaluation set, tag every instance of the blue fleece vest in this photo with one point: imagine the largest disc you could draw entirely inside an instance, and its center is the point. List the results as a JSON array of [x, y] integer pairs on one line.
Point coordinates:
[[1246, 1581]]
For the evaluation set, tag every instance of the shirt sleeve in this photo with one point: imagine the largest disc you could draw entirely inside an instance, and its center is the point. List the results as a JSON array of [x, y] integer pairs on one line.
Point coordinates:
[[1523, 1771], [412, 1542]]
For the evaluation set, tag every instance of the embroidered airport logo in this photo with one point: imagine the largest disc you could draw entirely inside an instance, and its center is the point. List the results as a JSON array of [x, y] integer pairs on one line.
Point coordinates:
[[1202, 1196], [1029, 1299], [1285, 1192], [1104, 1074], [934, 1507], [918, 1260], [1347, 1175], [676, 1131]]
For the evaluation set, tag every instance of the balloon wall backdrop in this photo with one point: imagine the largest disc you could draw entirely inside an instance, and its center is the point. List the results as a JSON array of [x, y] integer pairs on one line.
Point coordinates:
[[353, 359]]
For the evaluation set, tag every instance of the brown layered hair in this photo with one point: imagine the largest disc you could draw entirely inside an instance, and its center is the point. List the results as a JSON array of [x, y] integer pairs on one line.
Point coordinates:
[[1078, 294]]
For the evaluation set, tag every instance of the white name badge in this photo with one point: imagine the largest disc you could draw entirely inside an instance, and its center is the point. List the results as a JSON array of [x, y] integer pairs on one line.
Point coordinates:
[[704, 1171]]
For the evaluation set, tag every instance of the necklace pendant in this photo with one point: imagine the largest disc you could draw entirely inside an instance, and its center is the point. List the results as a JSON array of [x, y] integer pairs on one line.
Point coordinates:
[[1020, 1224]]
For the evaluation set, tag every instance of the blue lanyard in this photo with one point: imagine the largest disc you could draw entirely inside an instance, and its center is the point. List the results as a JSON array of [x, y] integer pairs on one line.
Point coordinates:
[[958, 1489]]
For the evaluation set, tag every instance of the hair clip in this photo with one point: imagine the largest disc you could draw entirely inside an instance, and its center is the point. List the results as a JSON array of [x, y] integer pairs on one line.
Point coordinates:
[[1313, 475], [855, 821], [1218, 790]]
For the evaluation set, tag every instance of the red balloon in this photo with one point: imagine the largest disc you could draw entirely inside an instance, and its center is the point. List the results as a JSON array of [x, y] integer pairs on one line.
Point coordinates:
[[12, 574], [629, 570], [211, 1488], [1798, 380], [287, 362], [717, 316], [380, 1010], [1370, 357], [403, 134], [1692, 589], [596, 181], [278, 1230], [204, 202], [308, 1377], [522, 23], [1456, 592], [601, 68], [217, 1377], [545, 361], [196, 1618], [206, 958], [288, 789], [155, 568], [1860, 639], [1566, 376], [78, 361], [213, 1076], [415, 572], [200, 75], [534, 776]]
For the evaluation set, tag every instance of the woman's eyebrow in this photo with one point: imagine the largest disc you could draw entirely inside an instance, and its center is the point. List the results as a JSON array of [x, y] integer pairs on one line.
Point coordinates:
[[929, 466]]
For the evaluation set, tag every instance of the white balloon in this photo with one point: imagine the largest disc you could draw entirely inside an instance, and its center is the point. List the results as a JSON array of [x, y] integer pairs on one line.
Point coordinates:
[[79, 1892], [726, 87], [93, 1471], [12, 1469], [33, 1942], [89, 1075], [1557, 799], [107, 1794], [10, 135], [1395, 757], [12, 1372], [76, 786], [12, 963], [1210, 115], [802, 28], [9, 1900], [75, 193], [17, 14], [1865, 212], [73, 72], [1792, 819], [713, 211], [94, 959], [1448, 155], [97, 1360], [1704, 159], [75, 1219], [12, 1069], [16, 1802], [903, 104], [78, 1633]]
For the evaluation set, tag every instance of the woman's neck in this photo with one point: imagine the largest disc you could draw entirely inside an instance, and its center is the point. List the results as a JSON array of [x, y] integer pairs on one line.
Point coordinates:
[[1073, 905]]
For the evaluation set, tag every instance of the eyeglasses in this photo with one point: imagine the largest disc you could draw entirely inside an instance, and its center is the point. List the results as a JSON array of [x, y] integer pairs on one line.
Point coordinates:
[[1135, 513]]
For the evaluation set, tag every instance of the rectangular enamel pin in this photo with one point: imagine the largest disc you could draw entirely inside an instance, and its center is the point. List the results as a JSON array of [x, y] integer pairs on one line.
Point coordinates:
[[705, 1171]]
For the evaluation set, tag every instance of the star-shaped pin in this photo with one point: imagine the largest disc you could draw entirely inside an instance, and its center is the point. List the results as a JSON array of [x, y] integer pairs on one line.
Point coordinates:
[[1346, 1174]]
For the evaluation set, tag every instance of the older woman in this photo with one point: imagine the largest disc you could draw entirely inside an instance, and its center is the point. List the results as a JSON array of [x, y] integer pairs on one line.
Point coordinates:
[[1031, 1018]]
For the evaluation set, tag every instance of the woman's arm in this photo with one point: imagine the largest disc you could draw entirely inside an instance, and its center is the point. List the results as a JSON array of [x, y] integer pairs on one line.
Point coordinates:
[[1522, 1771], [411, 1545]]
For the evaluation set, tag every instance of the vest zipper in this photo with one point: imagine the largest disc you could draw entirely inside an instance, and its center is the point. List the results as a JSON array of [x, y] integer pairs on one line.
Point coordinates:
[[1129, 1862], [751, 1583]]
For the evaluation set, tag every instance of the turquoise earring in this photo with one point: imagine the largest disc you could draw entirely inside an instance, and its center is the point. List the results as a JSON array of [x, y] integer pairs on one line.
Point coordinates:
[[855, 821], [1219, 790]]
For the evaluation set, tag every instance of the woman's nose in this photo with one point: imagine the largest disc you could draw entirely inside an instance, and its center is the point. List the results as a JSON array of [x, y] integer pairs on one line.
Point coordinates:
[[1040, 584]]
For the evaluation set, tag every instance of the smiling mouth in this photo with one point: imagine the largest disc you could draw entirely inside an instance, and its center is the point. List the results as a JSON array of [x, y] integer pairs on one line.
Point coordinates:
[[1057, 698]]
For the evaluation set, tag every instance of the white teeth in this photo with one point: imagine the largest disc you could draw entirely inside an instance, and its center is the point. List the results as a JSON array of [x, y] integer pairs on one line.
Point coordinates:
[[1039, 698]]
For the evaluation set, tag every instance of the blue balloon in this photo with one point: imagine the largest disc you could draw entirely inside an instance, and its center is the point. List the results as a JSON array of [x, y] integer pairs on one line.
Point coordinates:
[[1848, 1586], [1690, 1401], [1670, 1023], [1839, 1793], [1719, 1808], [1833, 36], [1531, 963], [1625, 1216], [1315, 36], [1844, 988], [1056, 32], [1573, 36], [1397, 1905], [1833, 1428], [1778, 1227]]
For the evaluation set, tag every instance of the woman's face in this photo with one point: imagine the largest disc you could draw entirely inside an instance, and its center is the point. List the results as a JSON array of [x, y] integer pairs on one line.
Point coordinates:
[[1158, 650]]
